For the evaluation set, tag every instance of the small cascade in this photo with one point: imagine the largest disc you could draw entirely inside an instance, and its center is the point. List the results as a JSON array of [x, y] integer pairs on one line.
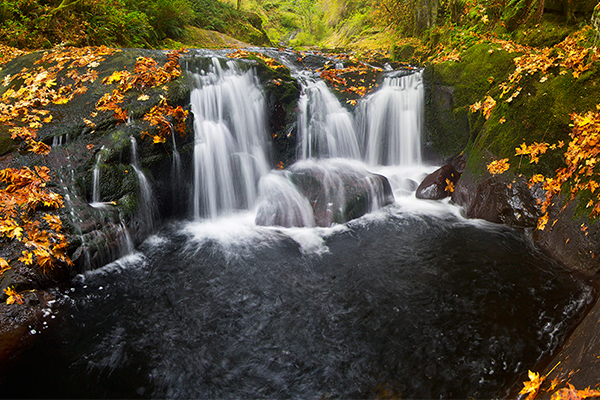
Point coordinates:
[[176, 166], [390, 121], [96, 180], [283, 204], [326, 129], [147, 207], [321, 193], [230, 153], [61, 140]]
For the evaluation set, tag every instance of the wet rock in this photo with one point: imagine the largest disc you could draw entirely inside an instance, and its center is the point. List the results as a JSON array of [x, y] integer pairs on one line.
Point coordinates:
[[433, 187], [341, 196], [337, 191], [498, 199]]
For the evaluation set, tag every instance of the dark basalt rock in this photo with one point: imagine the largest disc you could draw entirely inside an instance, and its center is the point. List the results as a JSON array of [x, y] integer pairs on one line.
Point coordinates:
[[341, 196], [498, 199], [433, 187], [337, 192]]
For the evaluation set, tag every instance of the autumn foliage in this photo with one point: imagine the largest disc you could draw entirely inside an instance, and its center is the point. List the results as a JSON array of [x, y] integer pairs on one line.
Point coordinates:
[[534, 386], [28, 206], [578, 175], [147, 74]]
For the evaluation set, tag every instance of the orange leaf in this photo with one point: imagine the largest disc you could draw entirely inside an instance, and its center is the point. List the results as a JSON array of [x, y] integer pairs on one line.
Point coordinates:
[[13, 296], [532, 386]]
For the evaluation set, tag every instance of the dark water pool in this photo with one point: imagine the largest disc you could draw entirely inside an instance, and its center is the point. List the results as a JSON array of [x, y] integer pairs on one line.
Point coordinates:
[[418, 306]]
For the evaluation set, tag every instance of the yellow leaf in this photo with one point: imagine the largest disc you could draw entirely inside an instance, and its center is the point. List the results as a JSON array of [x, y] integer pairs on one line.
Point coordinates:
[[143, 97], [60, 100], [158, 139], [115, 77], [542, 221], [27, 257], [48, 119], [532, 386], [498, 166], [13, 296], [3, 266]]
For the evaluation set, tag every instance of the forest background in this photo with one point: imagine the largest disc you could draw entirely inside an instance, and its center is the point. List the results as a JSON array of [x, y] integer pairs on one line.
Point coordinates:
[[341, 24]]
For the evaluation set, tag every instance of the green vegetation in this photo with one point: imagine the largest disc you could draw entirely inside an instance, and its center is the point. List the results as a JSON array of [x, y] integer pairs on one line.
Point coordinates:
[[34, 24]]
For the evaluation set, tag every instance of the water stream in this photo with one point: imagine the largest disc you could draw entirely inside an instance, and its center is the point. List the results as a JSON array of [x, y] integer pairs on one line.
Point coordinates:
[[410, 300]]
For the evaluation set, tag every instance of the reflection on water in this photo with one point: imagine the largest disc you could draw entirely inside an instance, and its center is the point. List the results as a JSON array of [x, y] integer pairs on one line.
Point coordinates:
[[425, 305]]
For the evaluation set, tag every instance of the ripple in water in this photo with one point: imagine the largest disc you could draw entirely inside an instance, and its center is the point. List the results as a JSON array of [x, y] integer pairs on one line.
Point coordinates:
[[424, 306]]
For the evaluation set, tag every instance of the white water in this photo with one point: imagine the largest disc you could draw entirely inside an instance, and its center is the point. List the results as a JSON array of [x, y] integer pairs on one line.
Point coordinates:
[[96, 181], [147, 205], [230, 128], [326, 129], [176, 166], [391, 121], [231, 151]]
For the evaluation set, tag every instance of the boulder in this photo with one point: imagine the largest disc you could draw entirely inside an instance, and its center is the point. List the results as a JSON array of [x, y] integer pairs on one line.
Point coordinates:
[[433, 187], [337, 191]]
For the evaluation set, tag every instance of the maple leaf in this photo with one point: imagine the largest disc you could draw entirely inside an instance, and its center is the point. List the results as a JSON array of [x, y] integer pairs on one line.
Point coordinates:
[[143, 97], [158, 139], [542, 221], [498, 166], [27, 257], [532, 386], [13, 296], [54, 222], [475, 107], [449, 186], [3, 266], [61, 100], [116, 76]]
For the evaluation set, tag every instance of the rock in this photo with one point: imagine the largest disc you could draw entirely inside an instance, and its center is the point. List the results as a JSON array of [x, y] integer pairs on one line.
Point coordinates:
[[433, 187], [498, 199], [336, 190]]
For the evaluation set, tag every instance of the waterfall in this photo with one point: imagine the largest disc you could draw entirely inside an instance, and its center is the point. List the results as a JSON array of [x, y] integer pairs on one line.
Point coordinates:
[[230, 153], [387, 125], [391, 120], [96, 179], [147, 206], [330, 176], [176, 166], [326, 129], [283, 204]]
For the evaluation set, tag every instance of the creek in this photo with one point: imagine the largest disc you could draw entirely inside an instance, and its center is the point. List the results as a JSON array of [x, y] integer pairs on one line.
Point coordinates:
[[261, 295]]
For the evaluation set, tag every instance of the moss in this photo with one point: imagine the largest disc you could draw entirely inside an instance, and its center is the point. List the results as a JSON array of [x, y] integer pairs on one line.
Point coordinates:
[[7, 145], [541, 113], [454, 87]]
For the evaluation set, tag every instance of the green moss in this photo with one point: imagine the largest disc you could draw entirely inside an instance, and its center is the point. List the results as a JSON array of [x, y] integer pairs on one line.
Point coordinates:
[[457, 85], [7, 145]]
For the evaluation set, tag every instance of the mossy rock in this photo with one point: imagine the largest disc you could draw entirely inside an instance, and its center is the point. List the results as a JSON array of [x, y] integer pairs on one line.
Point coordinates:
[[451, 87]]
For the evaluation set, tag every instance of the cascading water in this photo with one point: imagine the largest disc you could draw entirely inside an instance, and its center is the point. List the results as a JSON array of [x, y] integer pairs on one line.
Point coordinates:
[[410, 301], [176, 166], [96, 179], [326, 129], [230, 152], [391, 122], [147, 206], [388, 127]]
